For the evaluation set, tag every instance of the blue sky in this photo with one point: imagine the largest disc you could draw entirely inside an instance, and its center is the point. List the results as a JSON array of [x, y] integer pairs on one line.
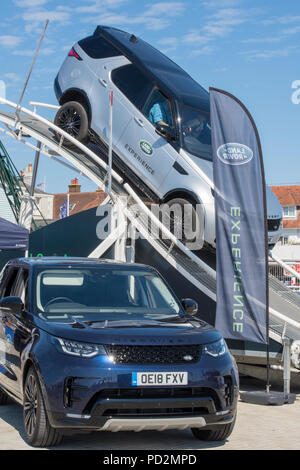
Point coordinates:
[[247, 47]]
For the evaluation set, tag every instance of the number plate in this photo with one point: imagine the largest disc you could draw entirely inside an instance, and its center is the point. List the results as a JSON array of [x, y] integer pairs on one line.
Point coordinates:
[[159, 378]]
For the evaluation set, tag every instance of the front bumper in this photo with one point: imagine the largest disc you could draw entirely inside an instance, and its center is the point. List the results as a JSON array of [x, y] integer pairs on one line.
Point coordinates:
[[148, 408], [99, 394]]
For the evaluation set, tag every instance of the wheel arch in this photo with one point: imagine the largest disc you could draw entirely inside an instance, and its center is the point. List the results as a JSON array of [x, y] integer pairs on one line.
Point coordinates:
[[182, 193], [76, 94], [29, 363]]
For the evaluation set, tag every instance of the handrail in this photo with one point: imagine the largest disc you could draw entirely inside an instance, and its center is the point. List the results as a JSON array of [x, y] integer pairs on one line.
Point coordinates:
[[37, 104], [64, 134], [280, 316], [169, 234], [285, 266]]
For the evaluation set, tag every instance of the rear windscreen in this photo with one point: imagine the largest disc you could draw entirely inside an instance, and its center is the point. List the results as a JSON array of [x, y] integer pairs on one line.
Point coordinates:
[[98, 48]]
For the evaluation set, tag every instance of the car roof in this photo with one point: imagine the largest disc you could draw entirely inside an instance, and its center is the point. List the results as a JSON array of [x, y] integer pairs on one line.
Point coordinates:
[[166, 73], [56, 261]]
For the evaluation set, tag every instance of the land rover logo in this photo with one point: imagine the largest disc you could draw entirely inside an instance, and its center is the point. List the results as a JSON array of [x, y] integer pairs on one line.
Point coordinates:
[[146, 147], [188, 357], [234, 154]]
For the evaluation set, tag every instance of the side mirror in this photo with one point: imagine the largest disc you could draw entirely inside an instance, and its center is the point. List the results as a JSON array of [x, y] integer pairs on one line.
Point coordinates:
[[166, 132], [12, 305], [190, 307]]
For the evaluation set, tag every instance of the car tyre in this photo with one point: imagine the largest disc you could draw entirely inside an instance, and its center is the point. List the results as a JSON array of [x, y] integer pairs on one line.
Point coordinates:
[[38, 431], [72, 117], [190, 220], [3, 398], [220, 433]]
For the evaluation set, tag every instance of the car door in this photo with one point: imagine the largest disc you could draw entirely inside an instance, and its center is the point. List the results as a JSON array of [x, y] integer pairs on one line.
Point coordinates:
[[17, 330], [7, 377], [149, 155]]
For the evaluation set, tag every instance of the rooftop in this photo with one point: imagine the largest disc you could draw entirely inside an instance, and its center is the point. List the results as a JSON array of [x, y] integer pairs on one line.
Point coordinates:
[[287, 195], [167, 73]]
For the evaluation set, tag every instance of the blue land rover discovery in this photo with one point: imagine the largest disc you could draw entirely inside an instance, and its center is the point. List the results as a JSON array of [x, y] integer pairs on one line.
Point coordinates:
[[94, 344]]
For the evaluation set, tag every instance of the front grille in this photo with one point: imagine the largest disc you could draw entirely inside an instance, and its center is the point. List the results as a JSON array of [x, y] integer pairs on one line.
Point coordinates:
[[273, 225], [187, 354], [161, 412], [157, 393], [136, 396]]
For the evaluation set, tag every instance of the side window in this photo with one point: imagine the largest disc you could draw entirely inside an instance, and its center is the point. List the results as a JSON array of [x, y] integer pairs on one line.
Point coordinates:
[[158, 109], [21, 286], [133, 83], [3, 280], [10, 282], [98, 48]]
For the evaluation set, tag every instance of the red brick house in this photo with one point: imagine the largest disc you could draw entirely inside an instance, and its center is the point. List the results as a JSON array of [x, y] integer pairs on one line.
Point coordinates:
[[289, 198], [78, 201]]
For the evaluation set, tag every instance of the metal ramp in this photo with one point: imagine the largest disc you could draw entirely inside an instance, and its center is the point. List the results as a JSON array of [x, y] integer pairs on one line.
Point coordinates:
[[284, 306]]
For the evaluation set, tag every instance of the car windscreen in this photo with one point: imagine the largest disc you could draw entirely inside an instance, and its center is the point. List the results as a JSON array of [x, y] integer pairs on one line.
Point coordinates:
[[196, 132], [103, 294]]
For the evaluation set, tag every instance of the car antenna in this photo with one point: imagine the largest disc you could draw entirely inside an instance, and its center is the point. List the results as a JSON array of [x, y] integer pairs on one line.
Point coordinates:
[[133, 38]]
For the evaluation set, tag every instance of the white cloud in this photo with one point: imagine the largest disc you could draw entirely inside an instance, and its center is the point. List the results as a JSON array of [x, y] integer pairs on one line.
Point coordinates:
[[294, 30], [30, 52], [170, 9], [113, 19], [219, 24], [34, 18], [287, 19], [12, 77], [43, 15], [196, 37], [156, 16], [221, 3], [170, 41], [30, 3], [270, 54], [206, 50], [10, 41], [271, 39], [98, 6]]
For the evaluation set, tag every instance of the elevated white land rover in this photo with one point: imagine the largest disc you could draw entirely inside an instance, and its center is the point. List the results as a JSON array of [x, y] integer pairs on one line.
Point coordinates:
[[161, 126]]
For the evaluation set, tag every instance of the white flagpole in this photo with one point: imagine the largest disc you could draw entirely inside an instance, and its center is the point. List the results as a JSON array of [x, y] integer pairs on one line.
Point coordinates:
[[110, 141]]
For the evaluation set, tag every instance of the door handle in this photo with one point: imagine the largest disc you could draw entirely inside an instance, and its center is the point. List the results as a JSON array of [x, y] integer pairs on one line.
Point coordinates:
[[103, 82], [139, 121]]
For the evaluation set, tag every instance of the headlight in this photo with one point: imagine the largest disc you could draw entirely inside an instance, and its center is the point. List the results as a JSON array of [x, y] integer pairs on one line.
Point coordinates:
[[75, 348], [216, 349]]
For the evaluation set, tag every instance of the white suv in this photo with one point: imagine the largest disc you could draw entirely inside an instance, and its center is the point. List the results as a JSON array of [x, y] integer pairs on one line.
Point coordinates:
[[161, 127]]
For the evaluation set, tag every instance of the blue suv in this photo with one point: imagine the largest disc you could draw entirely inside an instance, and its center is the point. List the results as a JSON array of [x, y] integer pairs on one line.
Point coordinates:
[[91, 344]]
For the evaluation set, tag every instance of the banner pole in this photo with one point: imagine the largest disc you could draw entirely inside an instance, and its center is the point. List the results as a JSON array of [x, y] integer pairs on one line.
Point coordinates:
[[110, 141], [30, 70]]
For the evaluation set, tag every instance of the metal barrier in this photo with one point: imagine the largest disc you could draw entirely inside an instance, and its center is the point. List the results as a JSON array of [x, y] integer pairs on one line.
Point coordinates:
[[287, 272]]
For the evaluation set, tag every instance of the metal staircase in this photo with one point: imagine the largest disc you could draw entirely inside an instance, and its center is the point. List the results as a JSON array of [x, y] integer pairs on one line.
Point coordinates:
[[10, 181]]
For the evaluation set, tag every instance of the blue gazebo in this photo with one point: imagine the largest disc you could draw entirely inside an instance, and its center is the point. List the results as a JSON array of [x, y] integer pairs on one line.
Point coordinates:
[[13, 236]]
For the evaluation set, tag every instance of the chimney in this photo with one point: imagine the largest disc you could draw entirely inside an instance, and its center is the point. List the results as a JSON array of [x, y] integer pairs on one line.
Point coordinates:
[[74, 187]]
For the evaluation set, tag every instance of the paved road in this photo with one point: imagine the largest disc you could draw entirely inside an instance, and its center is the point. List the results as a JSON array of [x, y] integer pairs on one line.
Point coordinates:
[[257, 427]]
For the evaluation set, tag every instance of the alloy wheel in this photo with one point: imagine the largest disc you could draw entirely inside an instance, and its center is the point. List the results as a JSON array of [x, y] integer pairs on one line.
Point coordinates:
[[30, 405]]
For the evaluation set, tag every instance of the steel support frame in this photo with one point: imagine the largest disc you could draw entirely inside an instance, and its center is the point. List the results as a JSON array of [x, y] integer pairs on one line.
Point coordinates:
[[118, 235]]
